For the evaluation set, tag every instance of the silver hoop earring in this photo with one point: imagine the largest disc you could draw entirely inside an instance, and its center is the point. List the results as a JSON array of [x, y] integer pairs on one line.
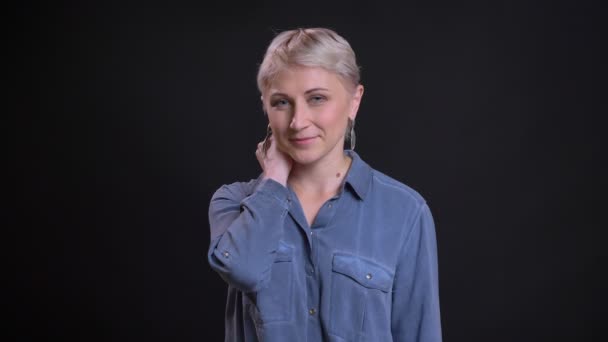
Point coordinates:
[[351, 134]]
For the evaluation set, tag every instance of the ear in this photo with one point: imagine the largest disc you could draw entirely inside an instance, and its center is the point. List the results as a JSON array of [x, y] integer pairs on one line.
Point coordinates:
[[356, 101]]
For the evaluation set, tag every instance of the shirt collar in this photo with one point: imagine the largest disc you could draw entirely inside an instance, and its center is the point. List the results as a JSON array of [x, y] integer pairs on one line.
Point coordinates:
[[359, 175]]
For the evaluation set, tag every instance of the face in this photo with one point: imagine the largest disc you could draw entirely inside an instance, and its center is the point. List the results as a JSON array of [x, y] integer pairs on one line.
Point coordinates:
[[308, 109]]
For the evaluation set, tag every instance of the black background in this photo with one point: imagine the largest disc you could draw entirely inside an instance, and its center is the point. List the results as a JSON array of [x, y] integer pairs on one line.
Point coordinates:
[[130, 115]]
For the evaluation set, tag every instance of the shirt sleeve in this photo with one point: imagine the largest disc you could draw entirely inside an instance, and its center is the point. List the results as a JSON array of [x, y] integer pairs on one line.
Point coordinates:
[[415, 307], [245, 232]]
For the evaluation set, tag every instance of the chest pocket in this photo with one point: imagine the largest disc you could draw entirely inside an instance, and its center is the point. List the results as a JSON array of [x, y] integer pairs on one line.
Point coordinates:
[[360, 298], [274, 302]]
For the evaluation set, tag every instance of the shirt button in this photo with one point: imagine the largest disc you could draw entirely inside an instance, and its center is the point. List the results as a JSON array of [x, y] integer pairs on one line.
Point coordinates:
[[226, 254], [312, 312], [329, 205], [310, 270], [368, 276]]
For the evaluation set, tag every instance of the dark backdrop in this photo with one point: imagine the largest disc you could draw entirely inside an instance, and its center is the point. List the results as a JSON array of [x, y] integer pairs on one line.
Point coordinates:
[[131, 115]]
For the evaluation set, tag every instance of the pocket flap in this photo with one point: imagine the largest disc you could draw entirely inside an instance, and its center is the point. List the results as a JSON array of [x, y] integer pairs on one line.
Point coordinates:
[[364, 271], [284, 252]]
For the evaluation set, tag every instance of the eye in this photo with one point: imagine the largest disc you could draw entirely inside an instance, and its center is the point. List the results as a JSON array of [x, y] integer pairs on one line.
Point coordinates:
[[279, 103], [317, 99]]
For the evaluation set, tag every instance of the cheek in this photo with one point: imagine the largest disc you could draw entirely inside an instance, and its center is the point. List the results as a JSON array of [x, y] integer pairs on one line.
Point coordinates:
[[276, 120], [336, 118], [280, 128]]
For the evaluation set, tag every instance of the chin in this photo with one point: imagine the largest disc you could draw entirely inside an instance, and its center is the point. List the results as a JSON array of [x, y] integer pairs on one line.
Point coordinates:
[[312, 154], [304, 157]]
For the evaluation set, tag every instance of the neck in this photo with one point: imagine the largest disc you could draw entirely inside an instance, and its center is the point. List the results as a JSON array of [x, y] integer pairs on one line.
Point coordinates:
[[323, 177]]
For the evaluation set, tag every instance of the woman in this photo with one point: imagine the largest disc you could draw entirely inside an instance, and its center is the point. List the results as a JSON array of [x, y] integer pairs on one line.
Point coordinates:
[[321, 247]]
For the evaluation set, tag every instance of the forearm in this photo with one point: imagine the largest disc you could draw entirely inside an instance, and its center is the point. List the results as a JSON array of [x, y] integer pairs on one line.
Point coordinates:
[[245, 234]]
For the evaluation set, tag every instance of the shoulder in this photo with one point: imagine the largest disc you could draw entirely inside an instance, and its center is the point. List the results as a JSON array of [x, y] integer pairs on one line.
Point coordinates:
[[397, 202], [238, 189], [387, 186], [399, 205]]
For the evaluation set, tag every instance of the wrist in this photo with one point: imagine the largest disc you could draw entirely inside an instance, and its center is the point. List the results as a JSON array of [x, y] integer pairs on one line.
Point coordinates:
[[278, 177]]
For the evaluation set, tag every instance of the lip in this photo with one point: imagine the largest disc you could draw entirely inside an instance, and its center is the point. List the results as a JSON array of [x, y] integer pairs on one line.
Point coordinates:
[[302, 141]]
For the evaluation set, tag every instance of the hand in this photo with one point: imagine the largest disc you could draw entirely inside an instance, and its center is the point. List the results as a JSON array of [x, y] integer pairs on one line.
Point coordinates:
[[275, 163]]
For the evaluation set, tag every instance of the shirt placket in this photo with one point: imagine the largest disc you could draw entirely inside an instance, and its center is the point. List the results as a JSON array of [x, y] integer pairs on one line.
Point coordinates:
[[324, 216]]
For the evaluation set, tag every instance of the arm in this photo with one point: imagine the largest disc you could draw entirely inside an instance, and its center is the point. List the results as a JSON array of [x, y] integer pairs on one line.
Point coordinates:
[[415, 307], [245, 231]]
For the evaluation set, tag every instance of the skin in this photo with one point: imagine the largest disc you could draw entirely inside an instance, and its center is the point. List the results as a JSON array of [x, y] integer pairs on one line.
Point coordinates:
[[308, 110]]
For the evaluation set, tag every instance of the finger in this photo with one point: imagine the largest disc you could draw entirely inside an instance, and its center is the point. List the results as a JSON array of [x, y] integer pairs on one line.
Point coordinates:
[[268, 142]]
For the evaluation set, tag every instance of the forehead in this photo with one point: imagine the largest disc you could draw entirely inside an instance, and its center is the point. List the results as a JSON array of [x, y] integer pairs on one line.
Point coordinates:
[[300, 79]]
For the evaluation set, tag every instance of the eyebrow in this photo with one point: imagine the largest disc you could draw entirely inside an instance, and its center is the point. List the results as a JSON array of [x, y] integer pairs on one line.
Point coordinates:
[[306, 92]]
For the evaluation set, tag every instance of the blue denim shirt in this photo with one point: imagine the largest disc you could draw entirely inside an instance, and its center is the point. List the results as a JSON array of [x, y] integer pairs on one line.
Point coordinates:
[[365, 270]]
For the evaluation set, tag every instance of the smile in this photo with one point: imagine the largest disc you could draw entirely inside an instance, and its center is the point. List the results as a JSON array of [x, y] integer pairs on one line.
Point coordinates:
[[302, 141]]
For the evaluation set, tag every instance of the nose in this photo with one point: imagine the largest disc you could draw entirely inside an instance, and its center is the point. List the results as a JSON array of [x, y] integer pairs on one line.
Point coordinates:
[[300, 118]]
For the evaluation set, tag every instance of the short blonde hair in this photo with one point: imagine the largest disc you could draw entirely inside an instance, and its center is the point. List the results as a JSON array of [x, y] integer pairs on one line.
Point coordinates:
[[310, 47]]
